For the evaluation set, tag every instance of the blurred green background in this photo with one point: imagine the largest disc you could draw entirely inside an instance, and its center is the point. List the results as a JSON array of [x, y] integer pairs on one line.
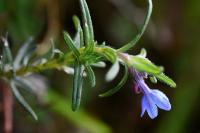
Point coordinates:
[[172, 40]]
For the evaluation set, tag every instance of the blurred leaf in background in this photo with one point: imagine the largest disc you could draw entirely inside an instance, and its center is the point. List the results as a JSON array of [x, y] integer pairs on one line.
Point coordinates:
[[22, 20]]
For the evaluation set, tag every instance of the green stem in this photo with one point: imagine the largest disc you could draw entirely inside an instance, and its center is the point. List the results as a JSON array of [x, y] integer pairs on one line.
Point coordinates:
[[55, 63], [50, 64]]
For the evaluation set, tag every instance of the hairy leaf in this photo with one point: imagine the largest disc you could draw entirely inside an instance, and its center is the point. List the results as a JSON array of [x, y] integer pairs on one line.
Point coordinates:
[[69, 42], [23, 83], [22, 100], [77, 85], [87, 26], [23, 51]]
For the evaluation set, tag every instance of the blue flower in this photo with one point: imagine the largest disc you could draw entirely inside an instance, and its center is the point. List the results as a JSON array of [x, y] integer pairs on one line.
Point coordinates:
[[152, 99]]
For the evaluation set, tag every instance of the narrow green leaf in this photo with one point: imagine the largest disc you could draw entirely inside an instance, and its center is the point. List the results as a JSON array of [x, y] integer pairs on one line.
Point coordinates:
[[23, 51], [91, 75], [142, 30], [69, 42], [77, 85], [87, 25], [22, 100], [89, 20], [23, 83], [7, 55], [144, 65], [28, 58], [77, 23], [112, 73], [78, 40], [162, 77], [118, 87]]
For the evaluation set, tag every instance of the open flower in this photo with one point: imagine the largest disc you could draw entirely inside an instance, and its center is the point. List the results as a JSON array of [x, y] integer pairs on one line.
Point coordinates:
[[152, 99]]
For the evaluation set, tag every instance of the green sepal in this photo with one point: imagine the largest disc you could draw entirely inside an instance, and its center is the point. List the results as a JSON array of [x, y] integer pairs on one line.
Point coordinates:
[[162, 77], [144, 65], [119, 85], [77, 85]]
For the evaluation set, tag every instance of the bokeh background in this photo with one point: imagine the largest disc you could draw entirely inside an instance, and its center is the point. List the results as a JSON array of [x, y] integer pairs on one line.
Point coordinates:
[[172, 40]]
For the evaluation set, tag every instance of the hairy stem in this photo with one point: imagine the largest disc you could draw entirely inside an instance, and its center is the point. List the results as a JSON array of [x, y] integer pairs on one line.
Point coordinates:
[[54, 63]]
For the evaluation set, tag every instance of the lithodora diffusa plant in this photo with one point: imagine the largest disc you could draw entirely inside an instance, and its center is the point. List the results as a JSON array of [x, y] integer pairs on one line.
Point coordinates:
[[86, 53]]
